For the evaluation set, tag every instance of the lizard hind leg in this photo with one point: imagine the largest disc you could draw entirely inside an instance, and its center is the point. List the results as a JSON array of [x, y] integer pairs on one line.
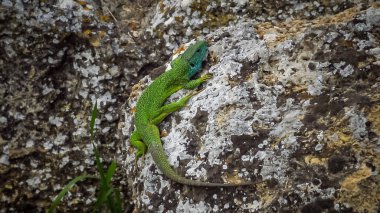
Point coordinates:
[[138, 144]]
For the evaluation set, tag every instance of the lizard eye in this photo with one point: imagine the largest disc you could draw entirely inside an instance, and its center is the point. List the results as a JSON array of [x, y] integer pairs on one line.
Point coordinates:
[[192, 65], [198, 50]]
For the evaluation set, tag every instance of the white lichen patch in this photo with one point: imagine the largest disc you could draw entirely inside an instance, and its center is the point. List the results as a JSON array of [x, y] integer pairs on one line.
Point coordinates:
[[3, 120], [29, 143], [84, 63], [176, 142], [357, 124], [33, 182], [4, 159], [254, 206], [344, 69], [188, 205], [150, 179], [66, 4], [57, 121], [60, 139]]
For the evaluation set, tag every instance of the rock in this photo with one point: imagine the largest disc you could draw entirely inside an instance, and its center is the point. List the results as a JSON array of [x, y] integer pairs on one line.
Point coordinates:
[[293, 101]]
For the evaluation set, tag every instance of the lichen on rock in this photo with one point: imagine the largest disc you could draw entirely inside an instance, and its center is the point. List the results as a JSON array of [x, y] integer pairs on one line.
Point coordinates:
[[293, 101]]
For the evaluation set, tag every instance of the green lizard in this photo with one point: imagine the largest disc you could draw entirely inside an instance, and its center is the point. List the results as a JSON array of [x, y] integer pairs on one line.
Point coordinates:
[[150, 110]]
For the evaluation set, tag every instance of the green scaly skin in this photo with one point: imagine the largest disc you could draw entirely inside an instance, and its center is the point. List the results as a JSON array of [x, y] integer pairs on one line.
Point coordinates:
[[150, 110]]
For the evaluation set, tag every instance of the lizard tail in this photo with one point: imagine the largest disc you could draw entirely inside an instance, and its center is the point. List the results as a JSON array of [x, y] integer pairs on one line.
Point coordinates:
[[162, 163]]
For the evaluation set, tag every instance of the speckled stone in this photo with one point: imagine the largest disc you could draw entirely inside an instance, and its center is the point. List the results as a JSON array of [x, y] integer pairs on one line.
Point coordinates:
[[294, 101]]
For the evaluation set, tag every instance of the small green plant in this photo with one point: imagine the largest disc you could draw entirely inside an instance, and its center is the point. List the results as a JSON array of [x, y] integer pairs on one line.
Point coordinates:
[[107, 195]]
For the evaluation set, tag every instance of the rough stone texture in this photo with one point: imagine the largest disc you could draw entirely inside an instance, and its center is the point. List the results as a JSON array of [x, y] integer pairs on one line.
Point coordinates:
[[294, 101], [291, 102], [56, 59]]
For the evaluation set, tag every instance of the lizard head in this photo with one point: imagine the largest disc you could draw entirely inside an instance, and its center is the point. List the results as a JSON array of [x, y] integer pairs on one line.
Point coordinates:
[[194, 56]]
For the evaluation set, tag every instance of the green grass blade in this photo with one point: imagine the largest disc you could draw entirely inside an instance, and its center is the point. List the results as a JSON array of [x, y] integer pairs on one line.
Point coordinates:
[[93, 118], [117, 203], [103, 197], [65, 189], [99, 165], [111, 171]]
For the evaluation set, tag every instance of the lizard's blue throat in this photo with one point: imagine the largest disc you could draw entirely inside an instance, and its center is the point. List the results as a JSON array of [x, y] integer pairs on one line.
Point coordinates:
[[195, 67]]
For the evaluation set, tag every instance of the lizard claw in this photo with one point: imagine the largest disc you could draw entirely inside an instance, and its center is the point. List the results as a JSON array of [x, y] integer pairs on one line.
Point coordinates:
[[138, 155], [207, 76], [137, 159], [191, 94], [195, 92]]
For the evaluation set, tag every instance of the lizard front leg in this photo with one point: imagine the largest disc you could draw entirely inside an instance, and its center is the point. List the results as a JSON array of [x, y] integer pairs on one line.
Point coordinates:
[[164, 111], [194, 83]]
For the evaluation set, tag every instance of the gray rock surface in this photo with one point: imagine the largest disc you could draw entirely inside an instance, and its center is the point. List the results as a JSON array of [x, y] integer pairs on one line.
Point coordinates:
[[294, 100]]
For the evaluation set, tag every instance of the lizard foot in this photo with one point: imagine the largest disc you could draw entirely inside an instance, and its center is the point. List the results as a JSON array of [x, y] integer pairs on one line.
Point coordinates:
[[205, 77]]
